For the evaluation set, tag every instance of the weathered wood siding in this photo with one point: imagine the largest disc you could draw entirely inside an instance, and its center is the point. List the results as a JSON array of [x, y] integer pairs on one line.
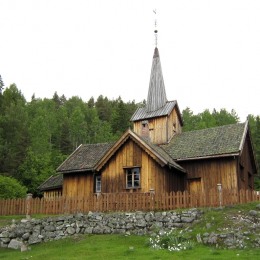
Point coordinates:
[[78, 184], [174, 124], [245, 168], [161, 129], [52, 193], [208, 173], [158, 130], [152, 175]]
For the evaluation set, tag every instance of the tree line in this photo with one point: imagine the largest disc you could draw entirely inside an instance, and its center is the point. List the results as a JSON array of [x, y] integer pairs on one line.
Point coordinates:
[[37, 136]]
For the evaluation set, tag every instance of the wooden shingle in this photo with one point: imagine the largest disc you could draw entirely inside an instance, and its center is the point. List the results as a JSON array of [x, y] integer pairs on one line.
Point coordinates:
[[84, 158], [217, 141], [53, 182]]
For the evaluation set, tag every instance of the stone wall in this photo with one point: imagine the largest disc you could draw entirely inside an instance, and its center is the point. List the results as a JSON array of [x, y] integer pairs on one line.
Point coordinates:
[[33, 231], [241, 231]]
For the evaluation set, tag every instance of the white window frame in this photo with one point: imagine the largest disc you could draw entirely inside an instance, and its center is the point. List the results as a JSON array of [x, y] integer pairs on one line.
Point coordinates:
[[133, 178], [98, 183]]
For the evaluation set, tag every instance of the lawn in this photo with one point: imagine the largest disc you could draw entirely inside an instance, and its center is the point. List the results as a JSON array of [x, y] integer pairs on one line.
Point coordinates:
[[118, 247]]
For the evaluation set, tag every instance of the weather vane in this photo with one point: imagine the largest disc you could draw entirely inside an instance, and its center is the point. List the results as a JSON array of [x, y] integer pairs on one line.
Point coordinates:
[[155, 27]]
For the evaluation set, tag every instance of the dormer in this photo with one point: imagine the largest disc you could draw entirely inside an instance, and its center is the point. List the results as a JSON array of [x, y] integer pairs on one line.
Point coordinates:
[[160, 119]]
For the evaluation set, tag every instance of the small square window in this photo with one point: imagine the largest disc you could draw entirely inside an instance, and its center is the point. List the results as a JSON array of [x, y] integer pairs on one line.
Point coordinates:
[[133, 178], [98, 183]]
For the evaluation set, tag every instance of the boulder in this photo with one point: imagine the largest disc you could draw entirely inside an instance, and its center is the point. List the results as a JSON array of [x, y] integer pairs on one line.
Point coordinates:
[[15, 244]]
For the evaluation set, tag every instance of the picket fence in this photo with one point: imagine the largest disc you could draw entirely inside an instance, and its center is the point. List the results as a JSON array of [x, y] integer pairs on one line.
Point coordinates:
[[106, 202]]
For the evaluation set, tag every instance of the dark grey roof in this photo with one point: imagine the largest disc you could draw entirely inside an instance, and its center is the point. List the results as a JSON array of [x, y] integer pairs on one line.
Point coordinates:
[[84, 158], [53, 182], [156, 93], [217, 141], [141, 113]]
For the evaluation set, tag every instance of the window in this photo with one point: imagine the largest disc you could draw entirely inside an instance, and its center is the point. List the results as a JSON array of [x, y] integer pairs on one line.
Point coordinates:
[[98, 183], [133, 178], [144, 128]]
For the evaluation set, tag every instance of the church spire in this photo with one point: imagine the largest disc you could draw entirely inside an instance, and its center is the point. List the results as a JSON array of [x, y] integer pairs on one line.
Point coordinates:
[[156, 93]]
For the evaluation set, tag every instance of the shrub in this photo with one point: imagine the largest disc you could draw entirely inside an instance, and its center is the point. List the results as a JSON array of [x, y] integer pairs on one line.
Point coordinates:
[[11, 188]]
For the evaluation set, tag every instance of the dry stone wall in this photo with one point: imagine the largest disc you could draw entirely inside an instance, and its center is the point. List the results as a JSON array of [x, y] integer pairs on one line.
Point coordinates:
[[33, 231], [242, 229]]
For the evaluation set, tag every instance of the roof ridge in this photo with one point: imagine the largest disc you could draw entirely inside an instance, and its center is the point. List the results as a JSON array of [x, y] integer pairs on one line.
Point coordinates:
[[220, 126], [98, 143]]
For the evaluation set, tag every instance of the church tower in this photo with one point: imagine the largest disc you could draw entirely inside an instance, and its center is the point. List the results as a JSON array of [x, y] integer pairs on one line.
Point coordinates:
[[160, 119]]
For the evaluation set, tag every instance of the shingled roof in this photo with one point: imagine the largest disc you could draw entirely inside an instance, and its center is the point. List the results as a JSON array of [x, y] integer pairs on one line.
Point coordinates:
[[142, 113], [211, 142], [84, 158], [93, 156], [53, 182]]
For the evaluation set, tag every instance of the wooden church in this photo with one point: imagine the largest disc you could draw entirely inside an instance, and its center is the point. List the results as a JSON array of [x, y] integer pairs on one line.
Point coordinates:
[[157, 156]]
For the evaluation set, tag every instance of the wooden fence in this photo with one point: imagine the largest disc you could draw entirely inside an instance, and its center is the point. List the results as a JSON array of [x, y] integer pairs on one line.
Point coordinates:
[[106, 202]]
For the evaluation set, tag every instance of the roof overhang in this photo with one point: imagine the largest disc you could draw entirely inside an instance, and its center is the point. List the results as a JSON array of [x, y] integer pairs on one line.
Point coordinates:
[[51, 188], [208, 157], [76, 170], [141, 114]]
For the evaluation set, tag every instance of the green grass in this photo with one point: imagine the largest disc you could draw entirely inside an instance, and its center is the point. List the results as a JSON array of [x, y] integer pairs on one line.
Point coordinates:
[[118, 247], [7, 220]]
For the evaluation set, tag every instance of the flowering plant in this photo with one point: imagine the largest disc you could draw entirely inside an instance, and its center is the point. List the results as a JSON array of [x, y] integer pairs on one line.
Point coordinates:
[[173, 241]]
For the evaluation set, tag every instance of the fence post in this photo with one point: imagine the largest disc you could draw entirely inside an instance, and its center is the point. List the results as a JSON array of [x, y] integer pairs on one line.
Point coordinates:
[[28, 205], [152, 193], [219, 185]]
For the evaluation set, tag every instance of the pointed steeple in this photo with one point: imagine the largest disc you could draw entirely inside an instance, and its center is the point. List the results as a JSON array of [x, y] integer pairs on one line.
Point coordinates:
[[156, 93]]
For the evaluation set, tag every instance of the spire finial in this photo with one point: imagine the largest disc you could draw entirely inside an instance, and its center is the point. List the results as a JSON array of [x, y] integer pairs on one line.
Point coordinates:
[[155, 28]]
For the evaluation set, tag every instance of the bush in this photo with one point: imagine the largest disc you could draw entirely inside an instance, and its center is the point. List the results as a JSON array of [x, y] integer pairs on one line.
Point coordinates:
[[11, 188]]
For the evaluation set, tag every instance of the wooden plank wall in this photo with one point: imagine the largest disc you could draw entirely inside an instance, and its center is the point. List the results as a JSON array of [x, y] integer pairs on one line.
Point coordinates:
[[245, 168], [78, 184], [173, 124], [160, 128], [213, 171], [153, 176], [52, 193]]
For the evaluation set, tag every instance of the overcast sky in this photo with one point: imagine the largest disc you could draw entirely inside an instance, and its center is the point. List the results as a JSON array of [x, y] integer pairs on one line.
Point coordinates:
[[209, 50]]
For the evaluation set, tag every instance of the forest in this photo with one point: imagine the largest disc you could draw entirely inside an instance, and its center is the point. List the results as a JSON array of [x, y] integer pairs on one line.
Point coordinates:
[[36, 136]]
